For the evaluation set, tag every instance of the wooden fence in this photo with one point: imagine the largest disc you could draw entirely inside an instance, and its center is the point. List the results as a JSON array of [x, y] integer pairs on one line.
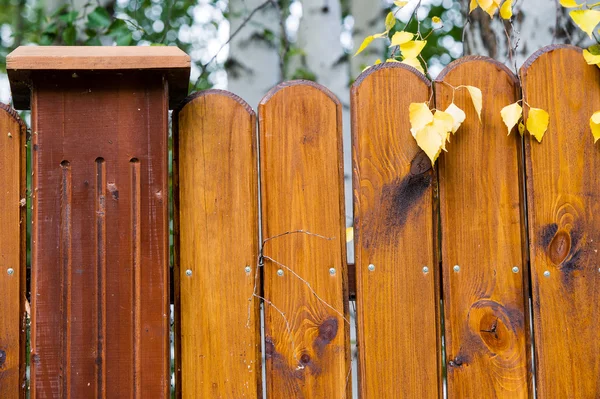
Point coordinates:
[[470, 278]]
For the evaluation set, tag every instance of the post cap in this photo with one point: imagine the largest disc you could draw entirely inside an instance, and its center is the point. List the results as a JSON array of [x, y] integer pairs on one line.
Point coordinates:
[[101, 59]]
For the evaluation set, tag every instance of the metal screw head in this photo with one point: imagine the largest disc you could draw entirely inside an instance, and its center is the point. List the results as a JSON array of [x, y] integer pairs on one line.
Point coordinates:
[[332, 271], [515, 269], [546, 273], [188, 272], [10, 271], [456, 268], [247, 269], [425, 269], [280, 272], [371, 267]]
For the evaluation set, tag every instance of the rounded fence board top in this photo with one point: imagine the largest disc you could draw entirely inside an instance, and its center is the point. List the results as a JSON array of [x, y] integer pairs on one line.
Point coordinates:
[[24, 60]]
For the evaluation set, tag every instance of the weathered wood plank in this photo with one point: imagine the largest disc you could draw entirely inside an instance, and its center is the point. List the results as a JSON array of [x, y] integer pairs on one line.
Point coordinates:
[[397, 315], [216, 189], [306, 311], [12, 254], [485, 300], [563, 192], [100, 310]]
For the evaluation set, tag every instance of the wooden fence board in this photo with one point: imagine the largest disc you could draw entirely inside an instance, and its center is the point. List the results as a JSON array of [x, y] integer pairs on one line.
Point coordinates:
[[485, 301], [307, 333], [563, 193], [217, 211], [12, 254], [397, 314], [100, 304]]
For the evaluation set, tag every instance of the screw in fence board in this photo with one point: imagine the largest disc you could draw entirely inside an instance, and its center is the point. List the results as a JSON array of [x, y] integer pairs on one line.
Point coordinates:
[[216, 209], [306, 311], [100, 289], [482, 230], [563, 193], [12, 254], [397, 316]]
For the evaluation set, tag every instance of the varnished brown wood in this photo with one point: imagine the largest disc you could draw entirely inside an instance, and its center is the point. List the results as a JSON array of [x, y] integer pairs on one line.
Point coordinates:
[[99, 288], [563, 193], [486, 301], [12, 254], [169, 60], [217, 209], [397, 315], [306, 304]]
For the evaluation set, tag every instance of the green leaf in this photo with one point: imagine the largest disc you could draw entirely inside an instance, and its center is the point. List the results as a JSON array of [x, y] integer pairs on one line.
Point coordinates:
[[93, 41], [118, 28], [69, 17], [99, 18], [69, 35], [124, 40]]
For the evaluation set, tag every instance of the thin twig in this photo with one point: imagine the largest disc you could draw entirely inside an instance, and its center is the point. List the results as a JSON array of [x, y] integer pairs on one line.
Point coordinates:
[[231, 37]]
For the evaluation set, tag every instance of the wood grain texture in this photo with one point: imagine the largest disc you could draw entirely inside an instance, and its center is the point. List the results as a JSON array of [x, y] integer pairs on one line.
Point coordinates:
[[486, 302], [12, 254], [22, 62], [100, 310], [307, 334], [563, 193], [217, 208], [397, 314]]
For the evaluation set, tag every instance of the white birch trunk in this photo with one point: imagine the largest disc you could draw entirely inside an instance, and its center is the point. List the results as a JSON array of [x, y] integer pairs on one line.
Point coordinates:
[[368, 17], [253, 65]]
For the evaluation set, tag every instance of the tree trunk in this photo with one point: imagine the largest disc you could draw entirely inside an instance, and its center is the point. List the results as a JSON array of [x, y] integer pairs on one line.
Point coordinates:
[[253, 64], [368, 19], [537, 23]]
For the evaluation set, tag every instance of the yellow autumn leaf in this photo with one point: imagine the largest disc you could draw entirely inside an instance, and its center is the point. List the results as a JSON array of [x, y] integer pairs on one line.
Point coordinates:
[[477, 99], [419, 115], [590, 58], [595, 125], [472, 6], [429, 140], [489, 6], [412, 49], [400, 38], [458, 115], [391, 60], [511, 115], [506, 10], [587, 20], [377, 61], [443, 123], [349, 234], [390, 21], [537, 123], [521, 128], [400, 4], [368, 40], [569, 3], [415, 63]]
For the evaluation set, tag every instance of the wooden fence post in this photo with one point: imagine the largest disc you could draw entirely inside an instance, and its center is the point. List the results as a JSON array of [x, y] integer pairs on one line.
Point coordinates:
[[563, 198], [396, 265], [483, 238], [306, 299], [100, 289], [12, 254], [216, 218]]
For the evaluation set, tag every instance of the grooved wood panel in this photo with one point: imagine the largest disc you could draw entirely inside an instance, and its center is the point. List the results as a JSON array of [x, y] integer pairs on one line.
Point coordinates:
[[485, 302], [563, 193], [306, 309], [217, 211], [100, 324], [394, 183], [12, 254]]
